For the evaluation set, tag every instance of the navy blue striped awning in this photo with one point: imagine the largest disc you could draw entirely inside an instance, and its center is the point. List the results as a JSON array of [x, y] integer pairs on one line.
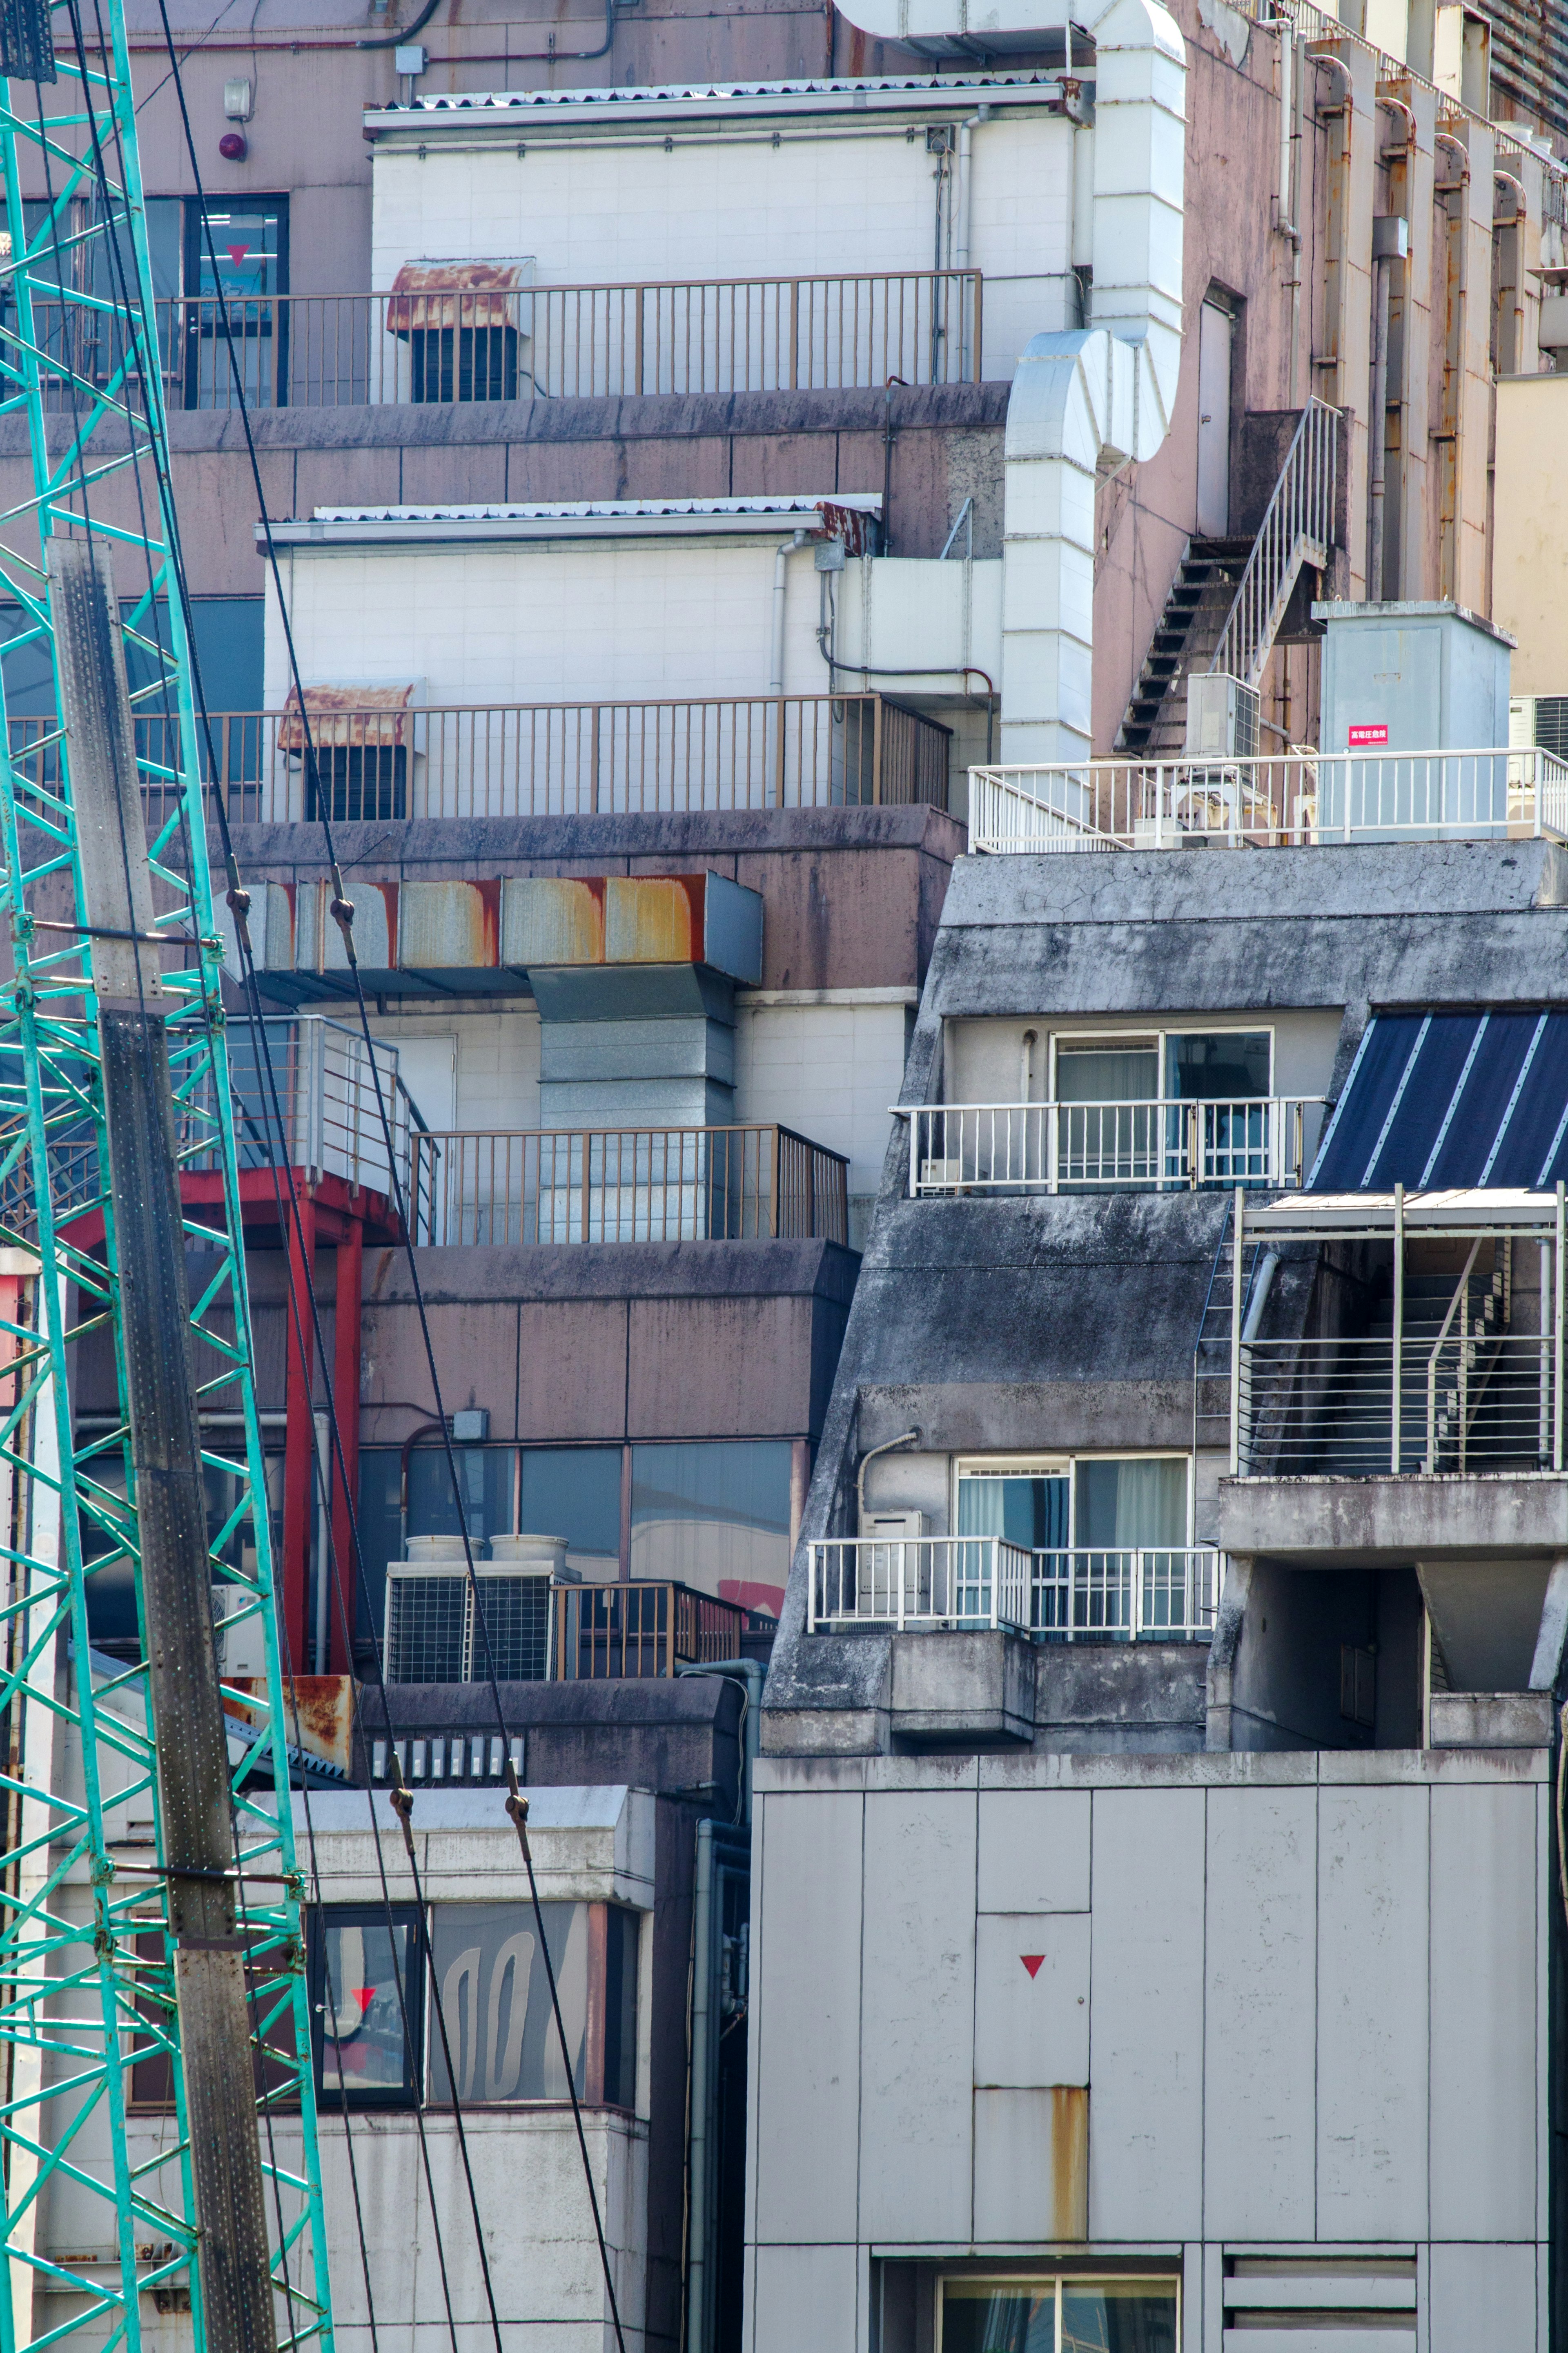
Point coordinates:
[[1435, 1100]]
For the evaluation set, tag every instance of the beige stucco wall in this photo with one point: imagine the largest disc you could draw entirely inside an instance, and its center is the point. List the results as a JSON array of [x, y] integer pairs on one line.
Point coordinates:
[[1529, 558]]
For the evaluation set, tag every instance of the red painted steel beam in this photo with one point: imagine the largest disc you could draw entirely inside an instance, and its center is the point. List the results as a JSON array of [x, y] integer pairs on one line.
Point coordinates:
[[345, 1393], [299, 1440]]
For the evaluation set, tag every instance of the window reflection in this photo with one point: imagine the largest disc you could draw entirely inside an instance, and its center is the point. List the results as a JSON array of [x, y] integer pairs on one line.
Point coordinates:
[[361, 1965]]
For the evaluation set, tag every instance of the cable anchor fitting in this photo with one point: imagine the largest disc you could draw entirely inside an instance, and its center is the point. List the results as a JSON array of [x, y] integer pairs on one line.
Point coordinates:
[[400, 1798], [238, 903], [517, 1807], [342, 911]]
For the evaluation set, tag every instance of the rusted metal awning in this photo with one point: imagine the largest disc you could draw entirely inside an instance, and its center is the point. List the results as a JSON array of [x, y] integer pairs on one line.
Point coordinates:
[[429, 295], [347, 717]]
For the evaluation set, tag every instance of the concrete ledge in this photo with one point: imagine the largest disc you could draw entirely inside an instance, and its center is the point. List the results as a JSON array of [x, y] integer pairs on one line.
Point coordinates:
[[1372, 1523], [825, 1732], [1491, 1719], [976, 1688]]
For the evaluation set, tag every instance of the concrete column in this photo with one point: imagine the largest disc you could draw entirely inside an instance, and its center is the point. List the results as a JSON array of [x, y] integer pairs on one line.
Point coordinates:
[[1224, 1649]]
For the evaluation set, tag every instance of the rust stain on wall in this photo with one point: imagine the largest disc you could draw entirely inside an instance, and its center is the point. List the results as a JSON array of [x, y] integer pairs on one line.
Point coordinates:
[[653, 919], [448, 926], [549, 919], [1070, 2161], [323, 1725]]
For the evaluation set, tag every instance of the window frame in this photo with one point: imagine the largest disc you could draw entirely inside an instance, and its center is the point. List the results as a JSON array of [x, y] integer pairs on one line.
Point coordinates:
[[1134, 1038], [332, 2100], [1064, 1465], [1059, 2279]]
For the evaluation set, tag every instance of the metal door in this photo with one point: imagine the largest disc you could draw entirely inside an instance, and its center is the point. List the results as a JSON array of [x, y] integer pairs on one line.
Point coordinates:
[[1213, 421]]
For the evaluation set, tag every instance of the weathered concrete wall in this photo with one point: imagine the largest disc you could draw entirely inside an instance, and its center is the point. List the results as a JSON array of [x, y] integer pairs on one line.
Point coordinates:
[[1301, 1998]]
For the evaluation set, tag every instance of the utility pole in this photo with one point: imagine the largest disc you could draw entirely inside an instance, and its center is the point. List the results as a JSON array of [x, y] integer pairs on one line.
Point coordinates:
[[193, 1786]]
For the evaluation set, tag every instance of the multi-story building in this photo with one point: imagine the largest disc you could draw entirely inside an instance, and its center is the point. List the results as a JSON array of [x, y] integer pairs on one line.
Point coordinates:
[[679, 485]]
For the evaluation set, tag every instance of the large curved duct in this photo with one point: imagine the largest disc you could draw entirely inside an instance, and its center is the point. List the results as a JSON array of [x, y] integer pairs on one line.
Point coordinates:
[[1083, 403]]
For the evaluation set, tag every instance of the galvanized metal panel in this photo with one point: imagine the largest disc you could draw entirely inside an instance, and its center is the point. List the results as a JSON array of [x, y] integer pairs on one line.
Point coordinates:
[[733, 929], [1259, 2087], [1480, 2295], [547, 918], [1330, 2339], [448, 926], [1371, 2013], [1034, 1851], [806, 2020], [1488, 2075], [653, 918], [916, 2067], [804, 2296], [1031, 1998], [1146, 2025], [1031, 2166]]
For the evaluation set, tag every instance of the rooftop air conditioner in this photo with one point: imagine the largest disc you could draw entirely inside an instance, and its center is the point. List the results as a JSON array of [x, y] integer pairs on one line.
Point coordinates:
[[433, 1634]]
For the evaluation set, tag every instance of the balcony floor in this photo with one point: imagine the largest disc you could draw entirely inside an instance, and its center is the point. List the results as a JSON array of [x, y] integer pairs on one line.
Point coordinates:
[[1325, 1523]]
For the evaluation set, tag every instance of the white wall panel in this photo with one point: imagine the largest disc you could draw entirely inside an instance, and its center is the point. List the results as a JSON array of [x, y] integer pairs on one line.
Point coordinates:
[[1481, 2296], [1031, 2023], [1034, 1851], [1371, 2013], [1484, 2061], [1261, 2051], [497, 1061], [1146, 2025], [917, 2029], [829, 1070], [1029, 2161], [805, 2296], [807, 2020]]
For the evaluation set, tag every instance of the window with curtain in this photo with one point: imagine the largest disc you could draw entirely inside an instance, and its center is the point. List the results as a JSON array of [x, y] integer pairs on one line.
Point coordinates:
[[1115, 1069], [1027, 1506], [1137, 1500], [1219, 1065]]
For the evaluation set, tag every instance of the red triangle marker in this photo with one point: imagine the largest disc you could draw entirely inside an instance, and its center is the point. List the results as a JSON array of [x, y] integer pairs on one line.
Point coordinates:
[[1032, 1962]]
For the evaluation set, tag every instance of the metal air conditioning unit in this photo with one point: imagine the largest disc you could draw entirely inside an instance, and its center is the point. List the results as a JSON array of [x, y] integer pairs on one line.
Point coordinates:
[[242, 1649], [432, 1632], [1221, 717]]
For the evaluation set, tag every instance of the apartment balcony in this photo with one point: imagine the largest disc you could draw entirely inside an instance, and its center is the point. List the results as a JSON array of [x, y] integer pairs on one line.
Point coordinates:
[[536, 1630], [478, 334], [1295, 800], [381, 765], [983, 1584], [559, 1186], [1158, 1145]]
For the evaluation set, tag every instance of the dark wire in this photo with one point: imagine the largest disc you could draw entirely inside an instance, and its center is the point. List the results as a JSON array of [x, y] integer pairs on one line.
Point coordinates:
[[312, 775]]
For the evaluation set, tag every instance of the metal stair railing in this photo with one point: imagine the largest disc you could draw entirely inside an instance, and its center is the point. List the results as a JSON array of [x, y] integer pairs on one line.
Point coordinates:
[[1297, 527]]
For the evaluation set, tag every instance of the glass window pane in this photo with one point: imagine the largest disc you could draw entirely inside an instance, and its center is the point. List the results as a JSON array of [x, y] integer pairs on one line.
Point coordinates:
[[378, 1532], [1117, 2316], [495, 1998], [715, 1515], [252, 247], [621, 2006], [358, 1960], [576, 1491], [1139, 1501], [1222, 1066], [1107, 1074], [998, 2316], [1027, 1511], [485, 1475]]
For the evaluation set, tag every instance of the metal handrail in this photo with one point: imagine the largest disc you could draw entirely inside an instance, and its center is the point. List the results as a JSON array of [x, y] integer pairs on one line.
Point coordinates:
[[555, 1185], [460, 342], [1297, 527], [545, 759], [1166, 1143], [1275, 801], [1118, 1593]]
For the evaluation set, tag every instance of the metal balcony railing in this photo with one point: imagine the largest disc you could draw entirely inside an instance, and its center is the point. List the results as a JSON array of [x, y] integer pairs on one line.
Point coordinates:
[[1291, 800], [548, 759], [1297, 527], [627, 1185], [1466, 1402], [463, 343], [1131, 1593], [641, 1628], [1166, 1145]]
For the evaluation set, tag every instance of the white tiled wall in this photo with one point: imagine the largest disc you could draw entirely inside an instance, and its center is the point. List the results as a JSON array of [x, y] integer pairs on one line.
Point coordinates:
[[825, 200], [497, 1061], [830, 1071]]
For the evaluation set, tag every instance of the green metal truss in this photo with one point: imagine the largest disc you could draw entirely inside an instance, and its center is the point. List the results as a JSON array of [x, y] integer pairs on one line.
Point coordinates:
[[97, 2204]]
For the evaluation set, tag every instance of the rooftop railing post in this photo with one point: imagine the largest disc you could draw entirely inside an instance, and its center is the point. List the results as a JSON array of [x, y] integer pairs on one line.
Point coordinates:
[[1396, 1410], [1238, 1214], [1561, 1241]]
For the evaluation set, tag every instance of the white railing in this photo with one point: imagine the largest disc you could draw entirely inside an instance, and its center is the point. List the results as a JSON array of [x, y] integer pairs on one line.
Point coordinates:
[[1285, 800], [1333, 1409], [967, 1582], [327, 1096], [1136, 1593], [1122, 1594], [1161, 1145], [1297, 527]]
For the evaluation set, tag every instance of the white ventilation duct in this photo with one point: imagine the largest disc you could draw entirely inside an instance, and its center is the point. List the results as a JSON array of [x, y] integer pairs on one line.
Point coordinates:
[[1087, 401]]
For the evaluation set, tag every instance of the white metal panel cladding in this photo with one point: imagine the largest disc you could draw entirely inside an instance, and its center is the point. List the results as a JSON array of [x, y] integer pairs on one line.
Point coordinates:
[[1260, 2075], [1031, 1999], [1034, 1851], [1373, 2007], [1484, 2181], [918, 1957]]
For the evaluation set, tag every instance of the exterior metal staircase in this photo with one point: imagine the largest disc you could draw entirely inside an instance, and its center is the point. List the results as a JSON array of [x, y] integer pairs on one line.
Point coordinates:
[[1230, 596]]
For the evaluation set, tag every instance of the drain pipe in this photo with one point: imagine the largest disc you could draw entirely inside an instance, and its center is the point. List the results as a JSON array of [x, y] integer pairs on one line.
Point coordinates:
[[751, 1672], [786, 548], [962, 242], [909, 1437]]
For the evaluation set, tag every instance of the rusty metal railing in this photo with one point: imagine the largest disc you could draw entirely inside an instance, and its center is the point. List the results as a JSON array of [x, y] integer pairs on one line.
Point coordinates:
[[548, 759], [640, 1627], [555, 343], [627, 1184]]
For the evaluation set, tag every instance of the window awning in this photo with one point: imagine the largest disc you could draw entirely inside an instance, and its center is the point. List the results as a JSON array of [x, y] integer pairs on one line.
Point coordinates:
[[1435, 1101], [429, 295], [348, 717]]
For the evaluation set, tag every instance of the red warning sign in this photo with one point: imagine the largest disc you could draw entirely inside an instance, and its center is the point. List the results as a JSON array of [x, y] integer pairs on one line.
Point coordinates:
[[1032, 1962], [1363, 738]]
